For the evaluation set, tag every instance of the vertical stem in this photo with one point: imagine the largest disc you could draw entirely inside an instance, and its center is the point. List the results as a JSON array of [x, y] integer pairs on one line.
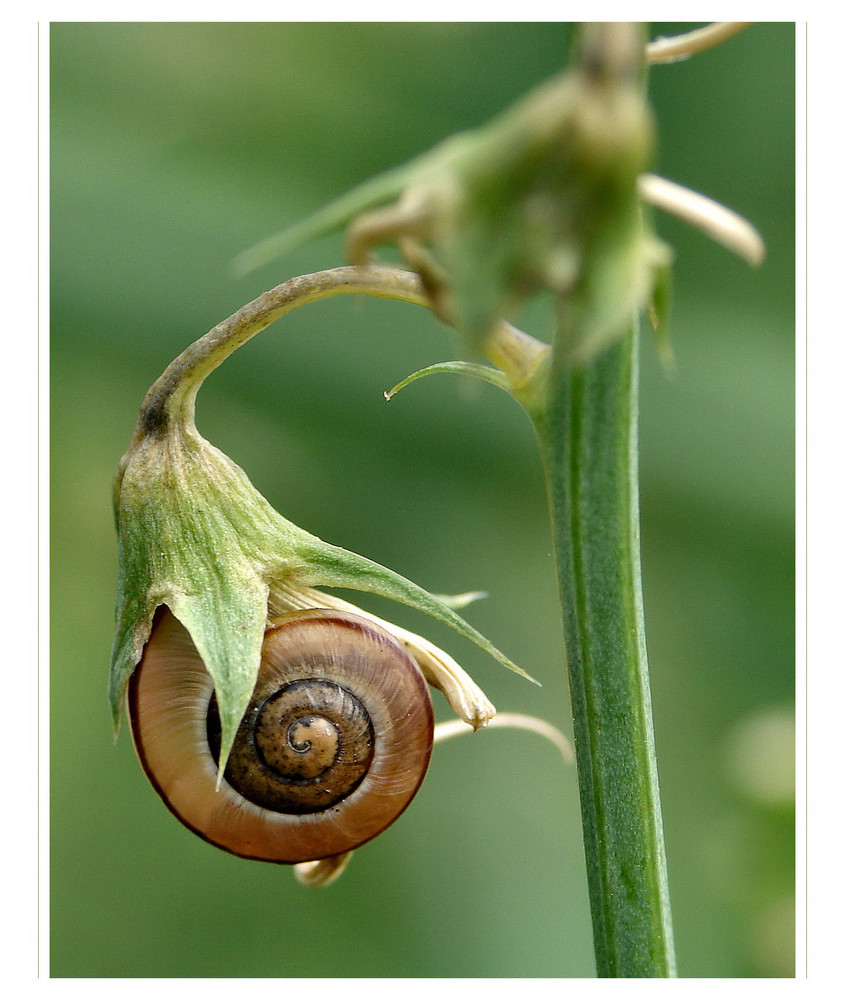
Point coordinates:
[[588, 435]]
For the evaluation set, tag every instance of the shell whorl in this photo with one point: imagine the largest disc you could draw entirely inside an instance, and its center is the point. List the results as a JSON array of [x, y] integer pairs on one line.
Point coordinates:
[[332, 748]]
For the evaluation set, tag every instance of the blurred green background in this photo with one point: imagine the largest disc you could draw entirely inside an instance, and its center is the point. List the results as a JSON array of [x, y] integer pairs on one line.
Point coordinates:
[[175, 146]]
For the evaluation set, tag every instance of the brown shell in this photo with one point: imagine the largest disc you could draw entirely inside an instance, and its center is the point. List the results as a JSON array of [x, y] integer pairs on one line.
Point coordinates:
[[332, 748]]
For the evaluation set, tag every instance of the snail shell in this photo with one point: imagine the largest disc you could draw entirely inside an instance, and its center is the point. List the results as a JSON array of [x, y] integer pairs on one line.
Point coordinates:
[[333, 746]]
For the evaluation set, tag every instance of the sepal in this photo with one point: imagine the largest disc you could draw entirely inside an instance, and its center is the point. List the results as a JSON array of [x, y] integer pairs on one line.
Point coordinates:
[[195, 535]]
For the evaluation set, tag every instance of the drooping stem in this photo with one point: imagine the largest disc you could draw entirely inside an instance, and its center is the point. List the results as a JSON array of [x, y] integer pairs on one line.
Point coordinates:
[[588, 436], [173, 394]]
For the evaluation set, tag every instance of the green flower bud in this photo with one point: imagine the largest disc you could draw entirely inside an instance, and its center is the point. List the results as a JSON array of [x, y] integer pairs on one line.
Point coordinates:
[[197, 537], [544, 198]]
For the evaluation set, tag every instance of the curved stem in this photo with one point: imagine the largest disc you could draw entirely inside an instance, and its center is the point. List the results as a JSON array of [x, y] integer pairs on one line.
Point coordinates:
[[668, 50], [718, 222], [509, 720], [588, 436], [174, 392], [172, 396]]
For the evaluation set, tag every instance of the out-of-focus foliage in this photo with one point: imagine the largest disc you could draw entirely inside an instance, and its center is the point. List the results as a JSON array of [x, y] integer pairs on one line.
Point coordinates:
[[174, 147]]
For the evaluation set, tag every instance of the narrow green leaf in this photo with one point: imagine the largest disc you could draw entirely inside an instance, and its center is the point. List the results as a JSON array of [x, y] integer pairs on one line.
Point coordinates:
[[332, 566], [483, 372]]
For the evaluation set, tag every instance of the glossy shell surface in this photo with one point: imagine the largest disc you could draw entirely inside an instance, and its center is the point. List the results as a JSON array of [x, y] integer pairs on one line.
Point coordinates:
[[332, 748]]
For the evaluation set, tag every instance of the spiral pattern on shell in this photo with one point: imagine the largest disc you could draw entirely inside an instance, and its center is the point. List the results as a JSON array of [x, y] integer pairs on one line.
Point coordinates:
[[332, 748]]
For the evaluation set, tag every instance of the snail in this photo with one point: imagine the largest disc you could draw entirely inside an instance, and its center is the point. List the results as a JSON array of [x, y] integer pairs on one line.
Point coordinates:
[[220, 597], [332, 748]]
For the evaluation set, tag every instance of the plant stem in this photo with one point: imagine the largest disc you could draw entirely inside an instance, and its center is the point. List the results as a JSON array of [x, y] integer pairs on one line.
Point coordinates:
[[515, 352], [588, 436]]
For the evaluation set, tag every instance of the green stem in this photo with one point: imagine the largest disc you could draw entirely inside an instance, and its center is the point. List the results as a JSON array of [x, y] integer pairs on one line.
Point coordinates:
[[588, 435]]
